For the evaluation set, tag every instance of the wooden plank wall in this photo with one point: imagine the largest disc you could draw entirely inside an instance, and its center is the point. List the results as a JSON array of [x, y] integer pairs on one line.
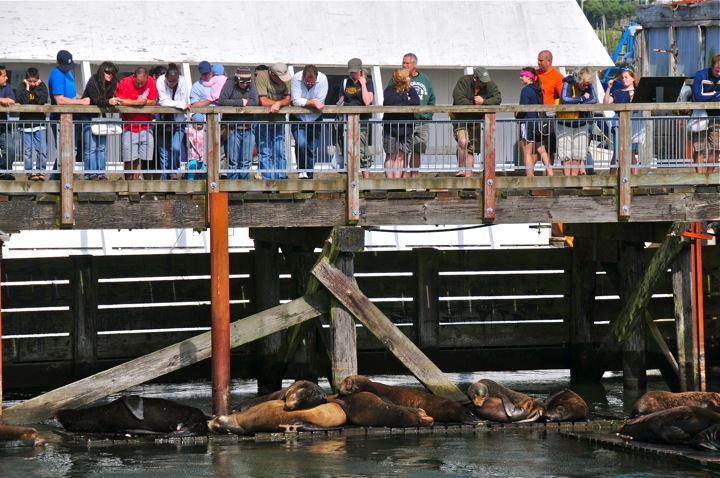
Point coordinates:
[[488, 300]]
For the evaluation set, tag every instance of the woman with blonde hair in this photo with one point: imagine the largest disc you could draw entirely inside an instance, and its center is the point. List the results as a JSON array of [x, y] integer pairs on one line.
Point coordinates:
[[398, 127], [572, 127]]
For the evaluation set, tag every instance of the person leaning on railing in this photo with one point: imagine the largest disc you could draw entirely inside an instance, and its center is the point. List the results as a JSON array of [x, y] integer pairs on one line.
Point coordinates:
[[706, 87], [32, 125], [476, 89], [572, 131], [398, 127]]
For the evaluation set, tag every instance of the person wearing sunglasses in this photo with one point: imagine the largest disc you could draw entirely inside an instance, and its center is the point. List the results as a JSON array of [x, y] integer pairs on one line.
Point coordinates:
[[100, 89], [239, 92]]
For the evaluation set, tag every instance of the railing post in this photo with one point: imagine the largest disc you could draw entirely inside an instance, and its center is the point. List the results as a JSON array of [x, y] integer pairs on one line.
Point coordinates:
[[489, 169], [624, 162], [353, 168], [213, 152], [67, 166]]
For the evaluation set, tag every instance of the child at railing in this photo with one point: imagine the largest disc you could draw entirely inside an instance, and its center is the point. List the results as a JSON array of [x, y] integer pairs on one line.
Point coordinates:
[[196, 141]]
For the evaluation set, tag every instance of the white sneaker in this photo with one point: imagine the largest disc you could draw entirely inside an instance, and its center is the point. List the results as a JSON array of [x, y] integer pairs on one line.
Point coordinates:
[[302, 176]]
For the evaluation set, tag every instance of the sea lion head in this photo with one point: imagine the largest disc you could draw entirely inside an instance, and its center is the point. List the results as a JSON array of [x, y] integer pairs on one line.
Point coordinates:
[[477, 393]]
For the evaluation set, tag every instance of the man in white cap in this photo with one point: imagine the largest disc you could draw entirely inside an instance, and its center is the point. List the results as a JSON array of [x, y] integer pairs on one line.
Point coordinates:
[[61, 86], [358, 90], [273, 88]]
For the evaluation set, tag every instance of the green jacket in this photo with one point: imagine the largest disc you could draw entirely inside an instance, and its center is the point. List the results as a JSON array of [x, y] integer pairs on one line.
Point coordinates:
[[464, 94]]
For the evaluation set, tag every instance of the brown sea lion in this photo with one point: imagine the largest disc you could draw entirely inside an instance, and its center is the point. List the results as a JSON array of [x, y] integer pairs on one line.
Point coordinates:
[[251, 402], [304, 394], [564, 405], [366, 409], [659, 400], [136, 415], [708, 439], [502, 410], [441, 409], [521, 407], [268, 416], [678, 425], [300, 395], [12, 437]]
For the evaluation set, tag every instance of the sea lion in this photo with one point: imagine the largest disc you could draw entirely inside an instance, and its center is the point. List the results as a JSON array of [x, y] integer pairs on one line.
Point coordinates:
[[251, 402], [136, 415], [502, 410], [659, 400], [441, 409], [677, 425], [517, 406], [269, 416], [12, 437], [303, 395], [366, 409], [564, 405]]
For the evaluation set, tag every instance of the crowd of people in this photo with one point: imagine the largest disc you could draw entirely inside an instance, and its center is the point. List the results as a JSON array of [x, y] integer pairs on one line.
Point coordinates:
[[153, 146]]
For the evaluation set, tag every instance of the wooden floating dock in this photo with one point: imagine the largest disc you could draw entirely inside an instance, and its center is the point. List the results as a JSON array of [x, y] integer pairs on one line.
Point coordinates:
[[680, 453]]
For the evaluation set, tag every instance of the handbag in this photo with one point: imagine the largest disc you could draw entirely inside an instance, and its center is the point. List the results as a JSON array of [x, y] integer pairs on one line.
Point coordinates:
[[699, 121], [106, 129]]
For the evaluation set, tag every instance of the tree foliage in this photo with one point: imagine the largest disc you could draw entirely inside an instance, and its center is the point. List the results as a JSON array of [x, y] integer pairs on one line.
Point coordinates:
[[617, 12]]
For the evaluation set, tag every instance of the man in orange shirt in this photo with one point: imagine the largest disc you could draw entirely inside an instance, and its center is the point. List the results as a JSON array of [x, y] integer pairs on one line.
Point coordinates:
[[551, 78], [552, 81]]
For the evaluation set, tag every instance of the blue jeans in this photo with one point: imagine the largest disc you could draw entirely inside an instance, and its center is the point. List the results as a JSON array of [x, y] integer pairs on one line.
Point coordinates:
[[241, 143], [7, 147], [271, 153], [170, 143], [93, 152], [35, 141], [307, 137]]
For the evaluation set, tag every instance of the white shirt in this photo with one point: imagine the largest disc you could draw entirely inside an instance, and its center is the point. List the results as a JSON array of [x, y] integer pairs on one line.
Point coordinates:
[[300, 94]]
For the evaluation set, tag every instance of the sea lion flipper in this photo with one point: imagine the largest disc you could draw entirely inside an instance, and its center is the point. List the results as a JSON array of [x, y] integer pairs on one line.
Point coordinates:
[[134, 403], [508, 405], [672, 434]]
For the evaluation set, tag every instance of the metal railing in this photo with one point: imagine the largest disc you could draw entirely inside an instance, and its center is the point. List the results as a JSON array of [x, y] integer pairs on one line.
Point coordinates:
[[293, 149]]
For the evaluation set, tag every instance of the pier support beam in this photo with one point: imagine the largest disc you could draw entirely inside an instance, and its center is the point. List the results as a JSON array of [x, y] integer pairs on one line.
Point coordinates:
[[632, 267], [220, 302], [347, 241], [687, 333], [267, 295], [85, 316], [582, 302], [427, 268]]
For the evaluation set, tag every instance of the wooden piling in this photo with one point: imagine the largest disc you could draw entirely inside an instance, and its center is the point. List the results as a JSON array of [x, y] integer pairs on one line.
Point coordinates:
[[86, 316], [220, 302], [632, 268], [267, 295], [687, 346], [427, 298], [582, 301], [346, 241]]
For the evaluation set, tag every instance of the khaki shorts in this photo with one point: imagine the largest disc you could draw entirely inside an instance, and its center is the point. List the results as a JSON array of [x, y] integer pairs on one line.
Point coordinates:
[[138, 145], [708, 140], [471, 132], [421, 136]]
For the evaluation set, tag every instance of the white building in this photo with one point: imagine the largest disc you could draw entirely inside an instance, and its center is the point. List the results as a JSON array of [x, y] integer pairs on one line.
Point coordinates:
[[448, 37]]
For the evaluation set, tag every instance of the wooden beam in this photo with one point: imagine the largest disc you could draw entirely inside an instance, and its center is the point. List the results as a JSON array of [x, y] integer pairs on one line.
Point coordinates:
[[67, 166], [352, 163], [624, 170], [220, 302], [633, 309], [169, 359], [347, 292], [489, 169]]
